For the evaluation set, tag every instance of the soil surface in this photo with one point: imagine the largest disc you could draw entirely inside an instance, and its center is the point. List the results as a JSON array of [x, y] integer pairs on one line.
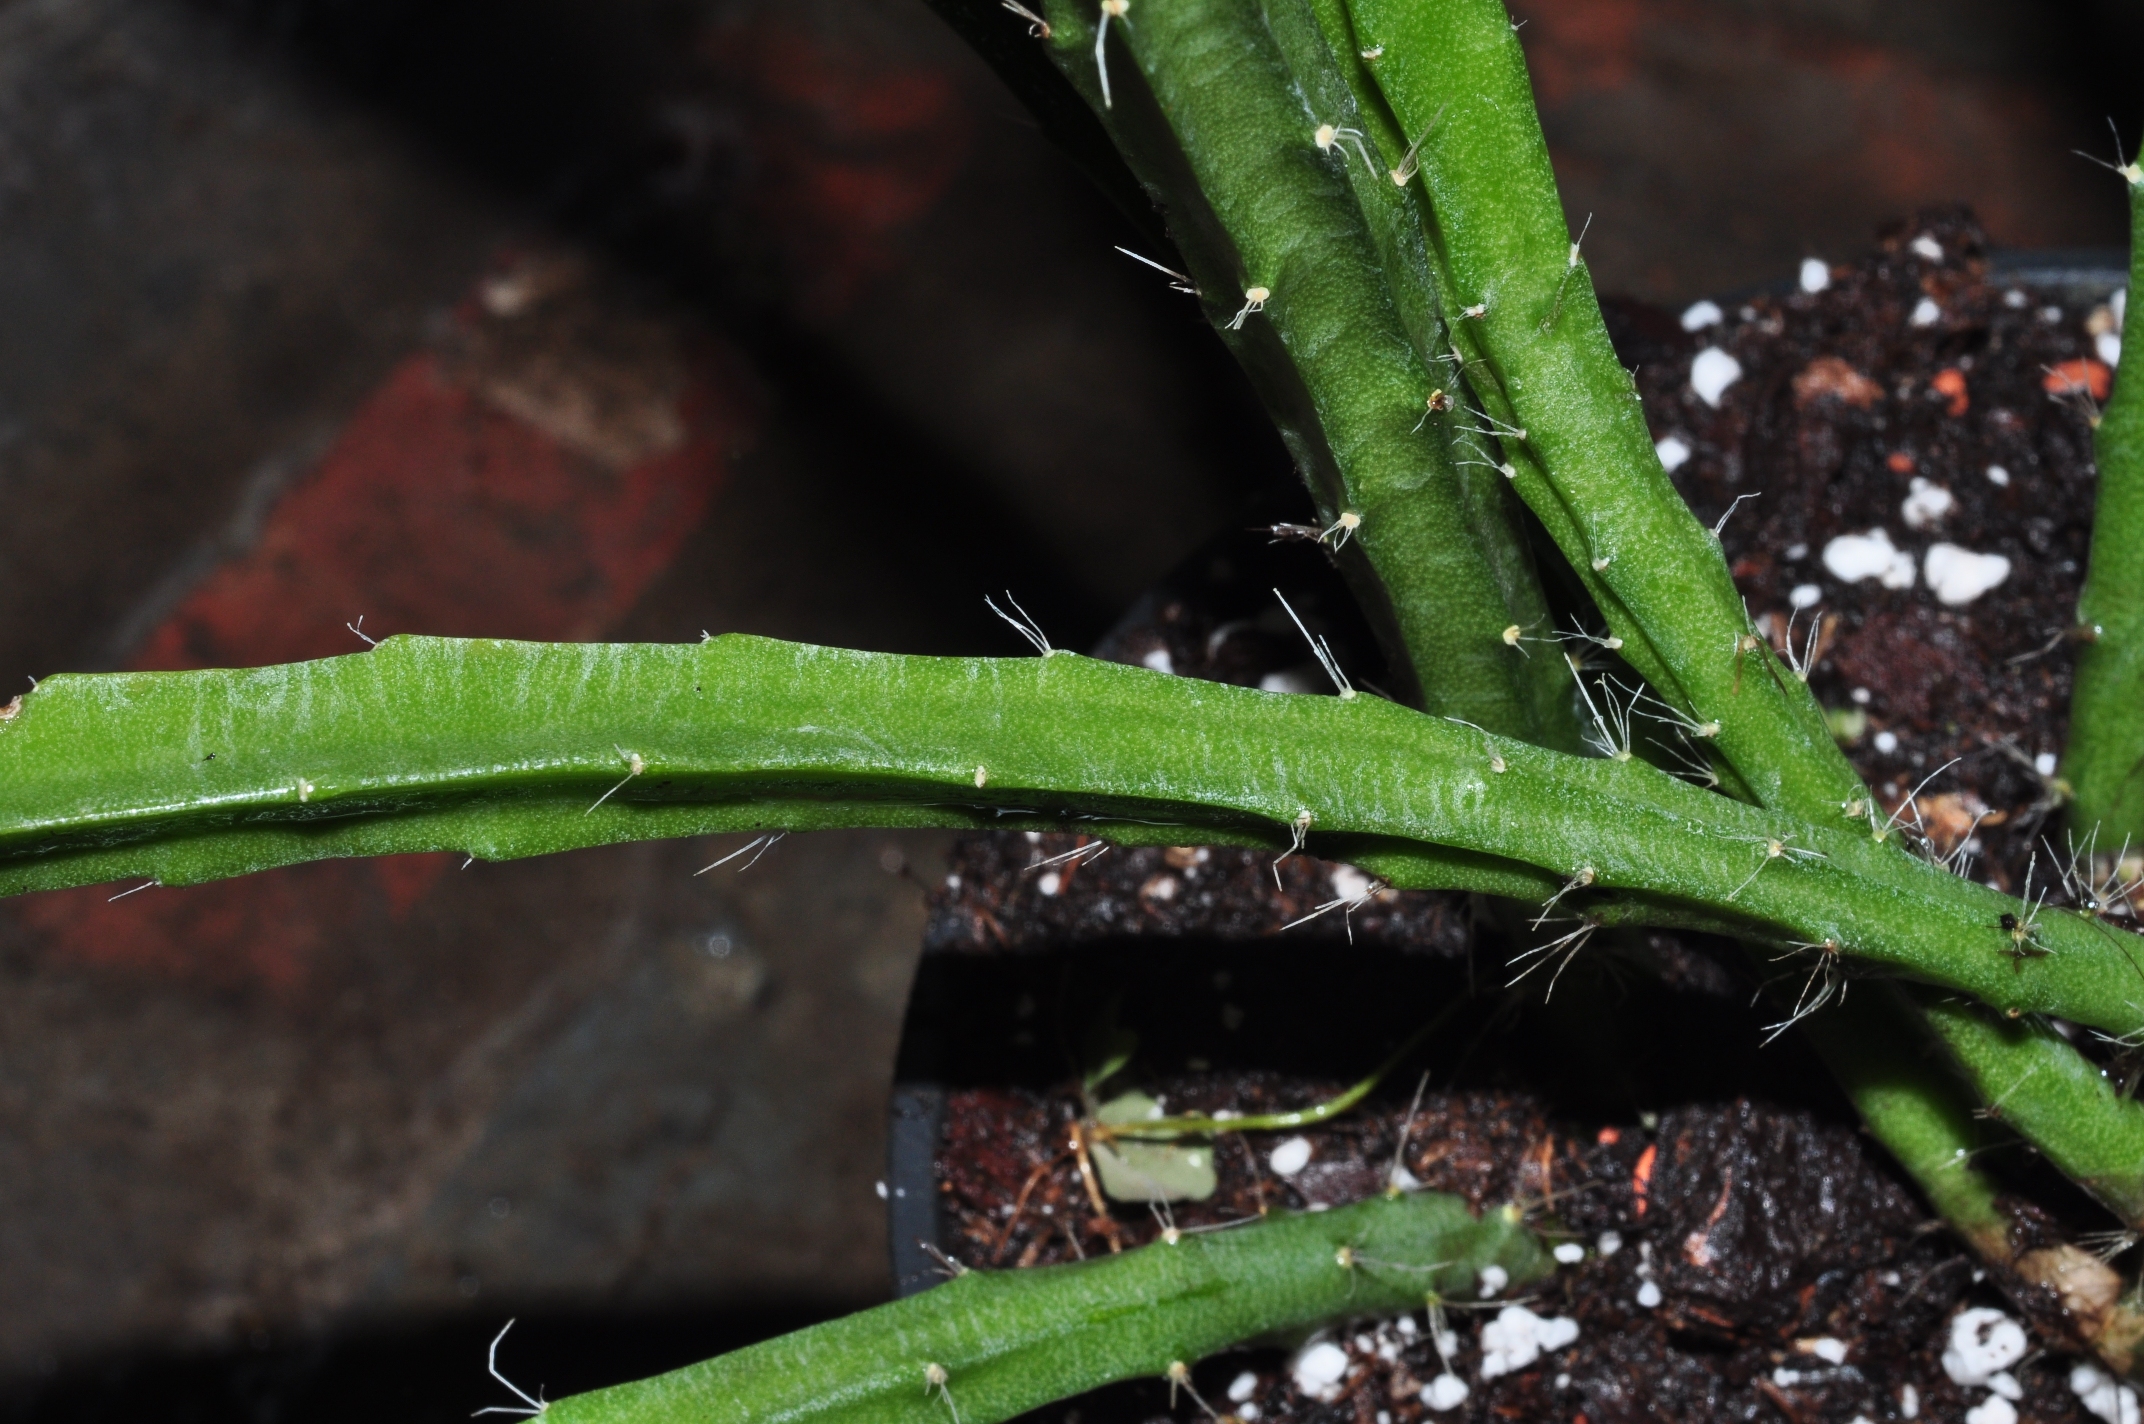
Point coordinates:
[[1742, 1251], [1923, 396]]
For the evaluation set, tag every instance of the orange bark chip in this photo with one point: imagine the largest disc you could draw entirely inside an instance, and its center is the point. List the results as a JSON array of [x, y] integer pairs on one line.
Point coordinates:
[[1832, 377], [1951, 382], [2083, 374], [1641, 1176]]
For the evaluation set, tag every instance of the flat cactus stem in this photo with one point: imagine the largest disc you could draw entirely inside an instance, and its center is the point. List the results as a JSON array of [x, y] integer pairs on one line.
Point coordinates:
[[989, 1345], [2036, 1083], [500, 749], [1226, 134], [2104, 762], [1456, 80]]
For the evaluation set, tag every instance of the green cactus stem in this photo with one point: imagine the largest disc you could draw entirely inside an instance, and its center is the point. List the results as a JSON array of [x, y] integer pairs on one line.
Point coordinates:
[[1454, 77], [1260, 190], [2104, 762], [501, 749], [992, 1344]]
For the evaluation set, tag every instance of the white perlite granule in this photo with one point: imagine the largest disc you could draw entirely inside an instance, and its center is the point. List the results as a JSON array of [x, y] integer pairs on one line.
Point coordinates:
[[1319, 1367], [1926, 503], [1517, 1337], [2102, 1394], [1712, 371], [1446, 1391], [1699, 315], [1959, 576], [1854, 557], [1992, 1410], [1290, 1157], [1983, 1341]]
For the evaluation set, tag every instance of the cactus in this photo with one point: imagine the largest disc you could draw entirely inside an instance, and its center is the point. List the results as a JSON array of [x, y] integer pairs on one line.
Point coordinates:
[[2033, 1081], [1361, 195], [991, 1344], [1345, 346], [2104, 763], [504, 749]]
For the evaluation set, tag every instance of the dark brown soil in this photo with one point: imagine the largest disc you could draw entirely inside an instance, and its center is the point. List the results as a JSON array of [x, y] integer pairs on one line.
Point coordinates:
[[1754, 1221], [1175, 890], [1843, 403], [1762, 1229]]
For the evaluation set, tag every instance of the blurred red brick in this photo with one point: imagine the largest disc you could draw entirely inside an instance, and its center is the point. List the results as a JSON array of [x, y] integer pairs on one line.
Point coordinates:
[[530, 480], [846, 145]]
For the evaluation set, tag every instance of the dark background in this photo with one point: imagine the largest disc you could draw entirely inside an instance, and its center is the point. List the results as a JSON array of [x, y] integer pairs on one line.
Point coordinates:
[[630, 320]]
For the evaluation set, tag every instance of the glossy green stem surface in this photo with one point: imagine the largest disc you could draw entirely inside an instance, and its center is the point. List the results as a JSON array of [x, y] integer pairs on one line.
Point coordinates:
[[501, 749], [2104, 762], [1008, 1341]]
